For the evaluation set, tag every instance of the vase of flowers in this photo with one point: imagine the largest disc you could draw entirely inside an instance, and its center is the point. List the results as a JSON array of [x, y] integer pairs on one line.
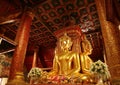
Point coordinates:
[[35, 73], [100, 70]]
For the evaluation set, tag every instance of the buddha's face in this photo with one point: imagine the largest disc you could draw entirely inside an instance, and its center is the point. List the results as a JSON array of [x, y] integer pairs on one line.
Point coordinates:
[[65, 42]]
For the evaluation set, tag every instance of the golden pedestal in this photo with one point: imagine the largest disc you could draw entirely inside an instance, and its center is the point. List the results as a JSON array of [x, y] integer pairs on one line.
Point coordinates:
[[18, 80]]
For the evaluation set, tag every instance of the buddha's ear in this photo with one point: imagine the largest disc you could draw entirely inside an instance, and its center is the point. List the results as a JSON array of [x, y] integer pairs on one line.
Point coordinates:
[[55, 50], [71, 43]]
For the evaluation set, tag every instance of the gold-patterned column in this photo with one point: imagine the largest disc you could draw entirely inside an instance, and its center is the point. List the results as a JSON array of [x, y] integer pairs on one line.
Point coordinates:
[[111, 36], [22, 40]]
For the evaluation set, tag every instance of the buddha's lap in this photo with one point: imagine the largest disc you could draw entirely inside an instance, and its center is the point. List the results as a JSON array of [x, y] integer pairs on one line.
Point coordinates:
[[82, 76]]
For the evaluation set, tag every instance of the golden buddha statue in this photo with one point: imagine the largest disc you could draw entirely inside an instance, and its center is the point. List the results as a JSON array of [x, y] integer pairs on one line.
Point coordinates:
[[86, 61], [67, 62]]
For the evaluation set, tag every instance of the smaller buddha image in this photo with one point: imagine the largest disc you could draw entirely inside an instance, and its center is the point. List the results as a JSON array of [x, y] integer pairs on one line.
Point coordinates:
[[86, 61]]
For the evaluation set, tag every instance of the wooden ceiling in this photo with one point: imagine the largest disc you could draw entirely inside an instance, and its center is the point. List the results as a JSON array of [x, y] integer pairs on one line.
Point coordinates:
[[51, 16]]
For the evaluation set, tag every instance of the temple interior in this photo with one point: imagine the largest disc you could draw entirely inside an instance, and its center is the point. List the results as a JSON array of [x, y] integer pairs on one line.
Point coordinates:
[[31, 35]]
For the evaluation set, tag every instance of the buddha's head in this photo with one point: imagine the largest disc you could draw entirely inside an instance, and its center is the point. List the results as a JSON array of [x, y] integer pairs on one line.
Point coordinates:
[[65, 42]]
